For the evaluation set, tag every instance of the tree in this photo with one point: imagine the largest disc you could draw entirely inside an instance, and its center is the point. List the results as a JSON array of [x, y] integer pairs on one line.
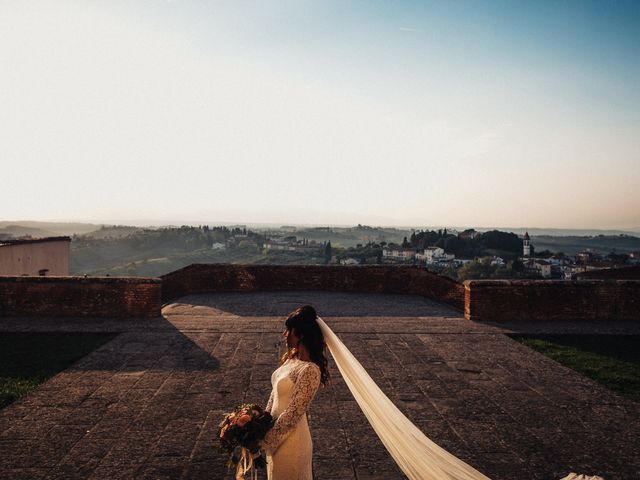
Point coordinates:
[[453, 245], [506, 241], [327, 252], [450, 271], [618, 257], [517, 266], [131, 269], [405, 243], [476, 270]]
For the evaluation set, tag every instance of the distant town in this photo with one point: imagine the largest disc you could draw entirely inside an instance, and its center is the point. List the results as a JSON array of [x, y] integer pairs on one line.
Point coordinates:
[[461, 255]]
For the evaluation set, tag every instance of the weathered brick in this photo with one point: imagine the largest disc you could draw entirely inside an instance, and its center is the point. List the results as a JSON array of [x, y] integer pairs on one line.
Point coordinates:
[[211, 278], [80, 296], [509, 300]]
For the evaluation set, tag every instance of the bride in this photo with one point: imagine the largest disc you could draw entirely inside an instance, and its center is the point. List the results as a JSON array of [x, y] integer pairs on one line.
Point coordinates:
[[294, 384], [302, 369]]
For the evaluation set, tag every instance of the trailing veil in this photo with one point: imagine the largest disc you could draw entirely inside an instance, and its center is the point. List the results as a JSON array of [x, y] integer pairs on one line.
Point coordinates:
[[417, 456]]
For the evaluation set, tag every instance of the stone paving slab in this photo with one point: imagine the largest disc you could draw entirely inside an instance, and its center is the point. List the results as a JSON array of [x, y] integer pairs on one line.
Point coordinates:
[[146, 404]]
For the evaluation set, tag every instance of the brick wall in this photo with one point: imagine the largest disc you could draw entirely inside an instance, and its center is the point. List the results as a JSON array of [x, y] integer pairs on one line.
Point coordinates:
[[506, 300], [204, 278], [625, 273], [482, 300], [80, 296]]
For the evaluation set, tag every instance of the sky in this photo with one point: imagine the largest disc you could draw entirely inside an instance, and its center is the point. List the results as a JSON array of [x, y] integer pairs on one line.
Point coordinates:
[[398, 113]]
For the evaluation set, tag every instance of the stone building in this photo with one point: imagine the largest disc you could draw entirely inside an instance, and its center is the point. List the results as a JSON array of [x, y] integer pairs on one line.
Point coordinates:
[[33, 257], [526, 245]]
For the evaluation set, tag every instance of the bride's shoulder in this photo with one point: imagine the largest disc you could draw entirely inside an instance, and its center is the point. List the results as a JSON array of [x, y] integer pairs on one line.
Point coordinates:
[[310, 369], [312, 366], [304, 364]]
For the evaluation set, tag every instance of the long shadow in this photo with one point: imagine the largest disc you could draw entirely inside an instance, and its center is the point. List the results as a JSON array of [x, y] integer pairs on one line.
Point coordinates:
[[328, 304], [149, 395], [138, 344], [163, 349], [28, 359]]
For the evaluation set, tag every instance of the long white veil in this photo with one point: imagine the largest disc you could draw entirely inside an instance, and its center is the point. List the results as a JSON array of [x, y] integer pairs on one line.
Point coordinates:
[[417, 456]]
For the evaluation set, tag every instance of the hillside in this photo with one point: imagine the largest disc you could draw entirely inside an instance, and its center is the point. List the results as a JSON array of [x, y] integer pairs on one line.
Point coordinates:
[[113, 231], [45, 229], [10, 231], [351, 236], [154, 264], [571, 245]]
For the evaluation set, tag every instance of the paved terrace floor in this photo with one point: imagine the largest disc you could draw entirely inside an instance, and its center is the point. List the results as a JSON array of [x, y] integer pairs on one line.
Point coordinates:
[[146, 404]]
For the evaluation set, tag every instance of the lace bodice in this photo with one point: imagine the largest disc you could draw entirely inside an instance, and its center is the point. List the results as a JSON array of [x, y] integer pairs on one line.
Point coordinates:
[[294, 384]]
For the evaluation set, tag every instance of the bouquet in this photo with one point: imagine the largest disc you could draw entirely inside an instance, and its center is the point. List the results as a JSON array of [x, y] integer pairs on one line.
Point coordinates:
[[241, 430]]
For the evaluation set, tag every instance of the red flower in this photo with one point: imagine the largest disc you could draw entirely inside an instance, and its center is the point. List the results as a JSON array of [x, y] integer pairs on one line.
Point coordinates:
[[243, 420]]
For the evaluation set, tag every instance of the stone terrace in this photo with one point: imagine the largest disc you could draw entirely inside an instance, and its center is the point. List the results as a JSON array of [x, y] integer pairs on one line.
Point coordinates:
[[146, 404]]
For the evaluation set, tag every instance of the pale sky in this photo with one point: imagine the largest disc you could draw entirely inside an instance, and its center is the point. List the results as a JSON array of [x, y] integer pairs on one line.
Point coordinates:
[[492, 113]]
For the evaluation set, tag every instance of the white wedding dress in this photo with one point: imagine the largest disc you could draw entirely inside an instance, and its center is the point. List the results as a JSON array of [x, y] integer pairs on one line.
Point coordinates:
[[288, 444]]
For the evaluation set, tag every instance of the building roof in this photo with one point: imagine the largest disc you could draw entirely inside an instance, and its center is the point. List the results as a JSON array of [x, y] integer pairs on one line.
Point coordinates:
[[21, 241]]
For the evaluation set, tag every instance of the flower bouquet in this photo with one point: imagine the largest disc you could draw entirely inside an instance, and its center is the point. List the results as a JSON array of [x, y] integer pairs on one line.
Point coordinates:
[[239, 434]]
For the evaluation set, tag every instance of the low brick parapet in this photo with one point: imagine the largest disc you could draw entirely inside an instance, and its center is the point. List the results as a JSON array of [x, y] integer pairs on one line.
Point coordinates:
[[625, 273], [481, 300], [80, 296], [407, 279], [509, 300]]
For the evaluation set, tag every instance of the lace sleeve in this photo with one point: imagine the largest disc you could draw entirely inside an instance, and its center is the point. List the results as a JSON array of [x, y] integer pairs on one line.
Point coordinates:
[[304, 390], [270, 402]]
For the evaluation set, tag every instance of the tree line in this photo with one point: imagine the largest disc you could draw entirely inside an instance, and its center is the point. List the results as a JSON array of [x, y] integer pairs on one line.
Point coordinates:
[[465, 244], [185, 238]]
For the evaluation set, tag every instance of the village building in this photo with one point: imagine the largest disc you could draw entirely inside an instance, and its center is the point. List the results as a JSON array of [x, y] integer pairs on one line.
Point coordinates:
[[35, 257], [291, 243], [538, 266], [430, 254], [399, 254], [526, 245], [569, 272], [349, 261], [587, 256], [435, 256], [497, 261], [459, 262]]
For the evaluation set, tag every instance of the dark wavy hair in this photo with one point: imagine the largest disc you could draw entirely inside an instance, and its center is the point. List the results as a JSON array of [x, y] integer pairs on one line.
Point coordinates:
[[303, 321]]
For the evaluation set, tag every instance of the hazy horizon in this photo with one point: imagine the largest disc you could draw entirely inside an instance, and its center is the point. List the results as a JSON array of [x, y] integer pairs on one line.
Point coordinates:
[[322, 112], [265, 225]]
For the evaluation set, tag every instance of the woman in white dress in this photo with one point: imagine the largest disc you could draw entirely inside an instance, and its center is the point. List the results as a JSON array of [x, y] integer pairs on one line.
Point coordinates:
[[302, 369], [294, 384]]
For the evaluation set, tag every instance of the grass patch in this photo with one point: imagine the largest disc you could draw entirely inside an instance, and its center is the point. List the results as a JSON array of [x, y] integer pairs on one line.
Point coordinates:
[[611, 360], [29, 359]]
